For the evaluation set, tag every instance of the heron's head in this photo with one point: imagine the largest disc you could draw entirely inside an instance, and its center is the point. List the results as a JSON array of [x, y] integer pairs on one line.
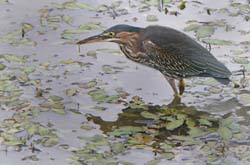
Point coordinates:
[[119, 34]]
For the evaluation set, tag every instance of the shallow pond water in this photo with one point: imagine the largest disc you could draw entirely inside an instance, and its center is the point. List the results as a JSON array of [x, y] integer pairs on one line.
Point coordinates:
[[62, 106]]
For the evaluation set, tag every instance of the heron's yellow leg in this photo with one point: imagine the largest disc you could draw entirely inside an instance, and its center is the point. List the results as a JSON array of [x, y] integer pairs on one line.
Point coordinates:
[[171, 81], [181, 86]]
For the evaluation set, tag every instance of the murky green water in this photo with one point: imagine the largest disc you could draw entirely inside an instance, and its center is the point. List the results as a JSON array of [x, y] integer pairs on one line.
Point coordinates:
[[61, 106]]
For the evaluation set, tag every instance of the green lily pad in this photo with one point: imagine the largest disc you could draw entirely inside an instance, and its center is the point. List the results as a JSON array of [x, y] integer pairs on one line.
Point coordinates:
[[116, 4], [152, 18], [12, 58], [225, 133], [156, 2], [56, 107], [204, 31], [192, 27], [100, 95], [29, 69], [143, 8], [71, 92], [126, 130], [2, 66], [68, 34], [72, 5], [55, 98], [218, 42], [244, 99], [4, 1], [54, 18], [102, 8], [32, 158], [174, 124], [205, 122], [50, 141], [240, 60], [149, 115], [168, 155], [67, 19], [88, 85]]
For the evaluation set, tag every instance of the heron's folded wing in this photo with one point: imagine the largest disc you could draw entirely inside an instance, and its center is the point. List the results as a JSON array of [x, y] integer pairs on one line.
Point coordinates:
[[172, 60]]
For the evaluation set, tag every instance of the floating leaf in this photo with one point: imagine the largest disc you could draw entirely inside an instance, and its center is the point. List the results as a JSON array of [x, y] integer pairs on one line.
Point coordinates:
[[195, 131], [100, 95], [240, 60], [54, 18], [174, 124], [88, 85], [102, 8], [50, 141], [55, 98], [118, 148], [244, 99], [225, 133], [72, 5], [149, 115], [32, 158], [152, 18], [67, 19], [29, 69], [204, 31], [56, 107], [116, 4], [4, 1], [218, 42], [192, 27], [168, 155], [126, 130], [205, 122], [82, 29], [2, 66], [71, 92], [12, 58]]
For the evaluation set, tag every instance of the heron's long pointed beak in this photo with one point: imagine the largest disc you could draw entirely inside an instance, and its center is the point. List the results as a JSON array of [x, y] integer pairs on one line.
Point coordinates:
[[97, 38]]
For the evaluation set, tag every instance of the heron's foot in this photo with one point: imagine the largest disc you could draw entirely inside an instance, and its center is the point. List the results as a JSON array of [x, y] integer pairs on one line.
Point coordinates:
[[181, 86]]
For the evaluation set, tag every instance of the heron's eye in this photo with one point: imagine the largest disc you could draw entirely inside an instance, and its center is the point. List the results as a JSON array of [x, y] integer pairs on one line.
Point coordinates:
[[109, 34]]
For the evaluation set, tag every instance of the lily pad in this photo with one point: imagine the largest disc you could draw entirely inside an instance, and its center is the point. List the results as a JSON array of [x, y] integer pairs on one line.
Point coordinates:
[[67, 19], [72, 5], [218, 42], [225, 133], [174, 124], [244, 99], [2, 66], [12, 58], [71, 92], [68, 34], [192, 27], [102, 8], [204, 31], [126, 130], [149, 115], [50, 141], [152, 18]]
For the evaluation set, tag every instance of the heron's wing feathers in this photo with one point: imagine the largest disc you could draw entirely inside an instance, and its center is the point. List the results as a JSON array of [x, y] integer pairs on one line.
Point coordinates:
[[171, 60], [180, 54]]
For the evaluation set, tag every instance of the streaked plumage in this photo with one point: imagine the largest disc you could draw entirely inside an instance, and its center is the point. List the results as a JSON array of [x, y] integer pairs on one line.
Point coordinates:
[[173, 53]]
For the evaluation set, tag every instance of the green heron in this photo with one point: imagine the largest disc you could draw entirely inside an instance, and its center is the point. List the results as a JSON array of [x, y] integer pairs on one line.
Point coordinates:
[[173, 53]]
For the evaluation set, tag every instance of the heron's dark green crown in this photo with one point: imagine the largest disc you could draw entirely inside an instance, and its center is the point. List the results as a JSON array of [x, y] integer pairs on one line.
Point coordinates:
[[123, 28]]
